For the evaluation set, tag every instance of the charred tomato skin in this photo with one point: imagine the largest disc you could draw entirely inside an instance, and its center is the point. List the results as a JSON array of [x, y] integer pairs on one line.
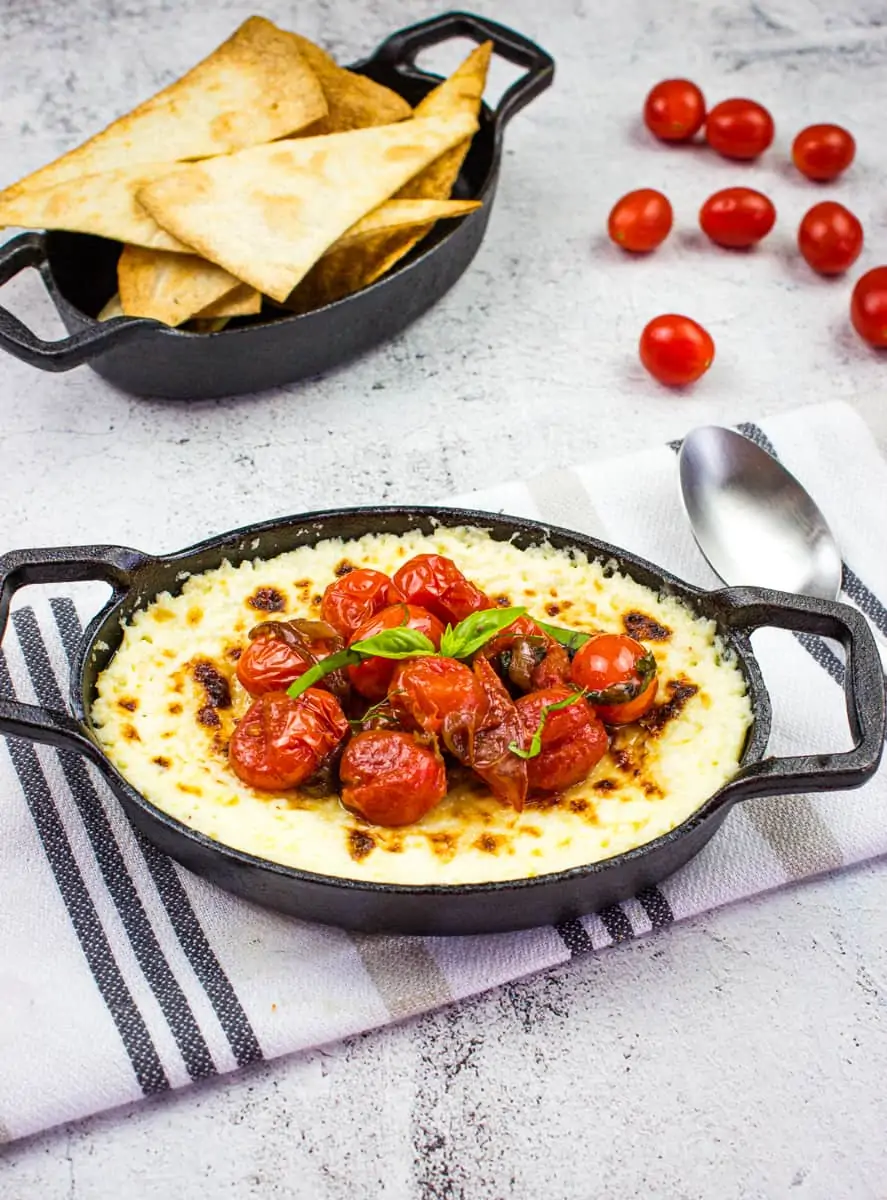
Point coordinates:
[[280, 742], [356, 597], [389, 778], [436, 584], [425, 692]]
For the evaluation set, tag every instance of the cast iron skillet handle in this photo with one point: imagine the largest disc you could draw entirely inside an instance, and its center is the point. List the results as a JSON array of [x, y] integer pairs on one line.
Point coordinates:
[[754, 608], [113, 564], [401, 50], [29, 250]]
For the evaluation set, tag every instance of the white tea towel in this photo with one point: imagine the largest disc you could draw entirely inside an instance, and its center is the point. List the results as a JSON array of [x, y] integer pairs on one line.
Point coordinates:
[[122, 975]]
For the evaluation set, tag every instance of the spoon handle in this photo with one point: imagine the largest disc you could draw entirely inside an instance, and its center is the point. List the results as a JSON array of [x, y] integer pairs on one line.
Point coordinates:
[[748, 609]]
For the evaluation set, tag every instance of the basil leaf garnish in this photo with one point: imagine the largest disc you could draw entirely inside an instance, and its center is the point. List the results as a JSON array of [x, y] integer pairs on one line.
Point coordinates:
[[476, 630], [571, 638], [399, 642], [535, 747], [326, 666]]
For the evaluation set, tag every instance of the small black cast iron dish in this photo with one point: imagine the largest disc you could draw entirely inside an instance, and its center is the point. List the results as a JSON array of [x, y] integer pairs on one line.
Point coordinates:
[[469, 908], [147, 358]]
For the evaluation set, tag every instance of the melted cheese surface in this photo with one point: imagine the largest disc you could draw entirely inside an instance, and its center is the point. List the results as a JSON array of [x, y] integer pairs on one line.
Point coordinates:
[[163, 717]]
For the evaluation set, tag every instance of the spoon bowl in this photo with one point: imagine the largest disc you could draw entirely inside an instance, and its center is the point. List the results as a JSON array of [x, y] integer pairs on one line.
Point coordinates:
[[753, 521]]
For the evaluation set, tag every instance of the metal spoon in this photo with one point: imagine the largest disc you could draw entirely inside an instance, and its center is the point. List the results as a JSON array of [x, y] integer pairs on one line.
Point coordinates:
[[752, 520]]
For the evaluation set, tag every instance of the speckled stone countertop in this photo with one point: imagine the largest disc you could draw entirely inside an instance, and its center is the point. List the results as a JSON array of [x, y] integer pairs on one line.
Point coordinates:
[[737, 1056]]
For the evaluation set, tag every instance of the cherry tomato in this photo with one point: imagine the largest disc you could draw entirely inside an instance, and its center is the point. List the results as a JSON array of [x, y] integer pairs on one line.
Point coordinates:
[[675, 350], [388, 778], [424, 692], [737, 217], [435, 583], [739, 129], [269, 665], [372, 676], [830, 238], [573, 739], [355, 597], [823, 152], [279, 742], [640, 221], [674, 110], [868, 307], [614, 665]]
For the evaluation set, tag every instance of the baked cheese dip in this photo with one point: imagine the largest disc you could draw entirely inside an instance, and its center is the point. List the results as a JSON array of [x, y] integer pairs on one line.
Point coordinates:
[[423, 709]]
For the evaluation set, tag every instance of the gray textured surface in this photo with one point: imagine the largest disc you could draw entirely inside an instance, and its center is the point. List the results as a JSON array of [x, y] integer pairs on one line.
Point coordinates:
[[737, 1056]]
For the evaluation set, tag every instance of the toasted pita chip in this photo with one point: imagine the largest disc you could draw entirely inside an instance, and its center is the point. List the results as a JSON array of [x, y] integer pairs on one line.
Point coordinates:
[[254, 88], [170, 287], [267, 214], [460, 94], [354, 101], [333, 276], [243, 301], [175, 287], [104, 205], [112, 309]]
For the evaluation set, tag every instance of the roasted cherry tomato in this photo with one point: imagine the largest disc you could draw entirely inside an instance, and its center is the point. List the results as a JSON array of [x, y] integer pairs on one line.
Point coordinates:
[[612, 666], [424, 692], [676, 350], [737, 217], [357, 596], [823, 152], [674, 110], [640, 221], [388, 778], [527, 657], [573, 739], [739, 129], [868, 307], [279, 742], [372, 676], [830, 238], [269, 665], [435, 583]]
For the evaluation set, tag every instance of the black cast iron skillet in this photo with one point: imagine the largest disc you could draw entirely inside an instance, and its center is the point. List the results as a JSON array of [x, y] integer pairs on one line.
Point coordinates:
[[150, 359], [471, 908]]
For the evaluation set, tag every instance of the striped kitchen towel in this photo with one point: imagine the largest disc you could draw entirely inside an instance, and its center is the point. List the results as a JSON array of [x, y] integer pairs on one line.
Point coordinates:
[[122, 975]]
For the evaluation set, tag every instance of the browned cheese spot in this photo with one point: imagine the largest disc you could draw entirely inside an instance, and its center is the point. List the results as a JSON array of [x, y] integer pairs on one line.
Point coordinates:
[[646, 629], [302, 584], [529, 591], [531, 830], [175, 709], [190, 788], [502, 601], [552, 609], [161, 761], [163, 614], [651, 789], [543, 801], [360, 844], [443, 845], [342, 568], [679, 692], [234, 653], [195, 615], [605, 785], [317, 601], [214, 684], [130, 733], [489, 843], [623, 760], [208, 716], [129, 704], [578, 806], [267, 599]]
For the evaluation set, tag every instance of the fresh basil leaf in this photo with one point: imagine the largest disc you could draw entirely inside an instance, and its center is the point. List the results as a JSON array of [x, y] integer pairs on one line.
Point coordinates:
[[472, 633], [326, 666], [535, 747], [571, 638], [399, 642]]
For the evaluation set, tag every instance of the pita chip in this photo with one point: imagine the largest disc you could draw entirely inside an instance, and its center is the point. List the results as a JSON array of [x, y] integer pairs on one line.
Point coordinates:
[[170, 287], [254, 88], [268, 213], [460, 94], [354, 101], [242, 301], [104, 205], [341, 270]]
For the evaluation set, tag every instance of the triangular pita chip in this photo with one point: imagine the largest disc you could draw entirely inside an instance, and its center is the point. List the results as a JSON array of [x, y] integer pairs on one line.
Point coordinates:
[[243, 301], [104, 205], [254, 88], [267, 214], [354, 101], [461, 93], [334, 275], [174, 287]]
